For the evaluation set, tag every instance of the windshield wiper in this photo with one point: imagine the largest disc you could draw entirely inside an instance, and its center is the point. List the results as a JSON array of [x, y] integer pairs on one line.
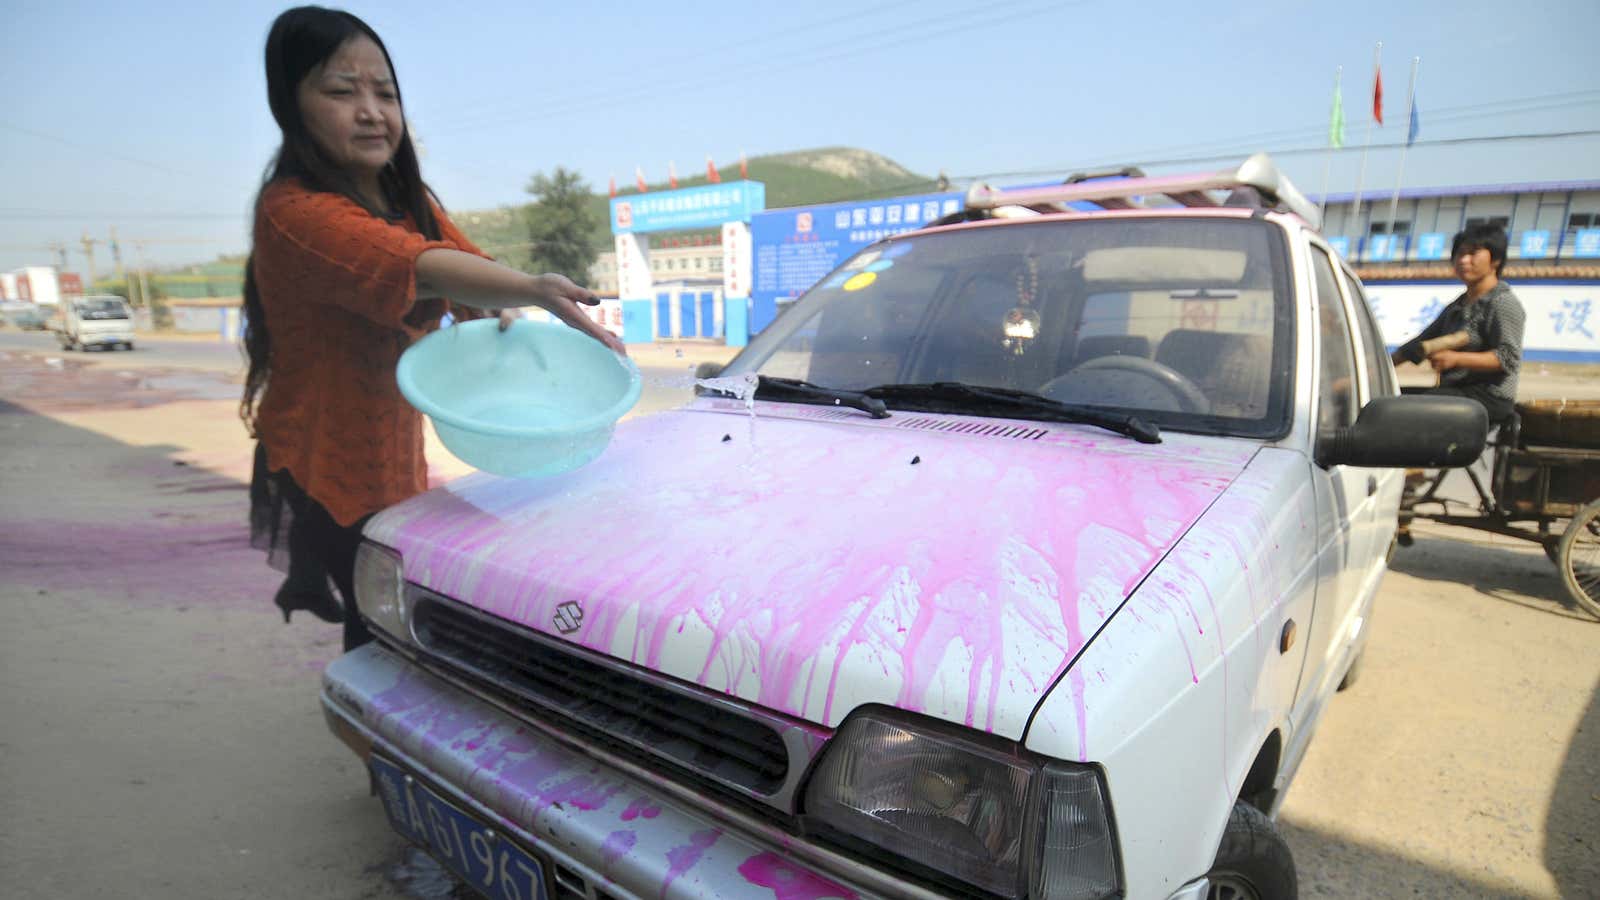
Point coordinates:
[[955, 396], [773, 388]]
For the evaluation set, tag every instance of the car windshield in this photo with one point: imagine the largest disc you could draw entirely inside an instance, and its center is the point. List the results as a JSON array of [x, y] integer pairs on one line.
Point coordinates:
[[1185, 321], [102, 309]]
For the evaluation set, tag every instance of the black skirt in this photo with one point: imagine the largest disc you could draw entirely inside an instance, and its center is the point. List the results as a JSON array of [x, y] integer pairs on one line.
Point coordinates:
[[302, 540]]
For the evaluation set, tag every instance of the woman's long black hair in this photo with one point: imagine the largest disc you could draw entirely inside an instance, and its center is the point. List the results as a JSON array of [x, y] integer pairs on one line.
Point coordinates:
[[300, 40]]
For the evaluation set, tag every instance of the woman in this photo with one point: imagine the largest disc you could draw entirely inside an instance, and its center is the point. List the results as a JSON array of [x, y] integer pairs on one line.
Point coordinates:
[[350, 264]]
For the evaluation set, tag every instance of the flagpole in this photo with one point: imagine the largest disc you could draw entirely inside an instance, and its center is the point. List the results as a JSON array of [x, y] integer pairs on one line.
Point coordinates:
[[1327, 156], [1411, 101], [1355, 211]]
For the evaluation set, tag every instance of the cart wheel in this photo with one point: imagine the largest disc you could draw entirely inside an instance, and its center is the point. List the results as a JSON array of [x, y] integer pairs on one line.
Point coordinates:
[[1579, 558]]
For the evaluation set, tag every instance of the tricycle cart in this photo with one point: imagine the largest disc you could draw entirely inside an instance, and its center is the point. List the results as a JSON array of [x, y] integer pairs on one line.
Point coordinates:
[[1546, 471]]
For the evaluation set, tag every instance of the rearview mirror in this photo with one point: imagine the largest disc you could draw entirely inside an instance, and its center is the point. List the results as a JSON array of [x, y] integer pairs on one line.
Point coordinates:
[[1412, 431]]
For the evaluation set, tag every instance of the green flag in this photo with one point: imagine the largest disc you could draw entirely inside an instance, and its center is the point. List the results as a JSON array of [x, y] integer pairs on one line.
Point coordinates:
[[1336, 121]]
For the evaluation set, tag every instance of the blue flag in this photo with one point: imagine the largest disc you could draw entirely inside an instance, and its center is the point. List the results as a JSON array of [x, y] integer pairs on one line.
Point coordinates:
[[1411, 133]]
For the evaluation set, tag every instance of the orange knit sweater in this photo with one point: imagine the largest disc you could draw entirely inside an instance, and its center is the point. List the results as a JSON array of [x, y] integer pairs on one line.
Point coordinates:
[[339, 292]]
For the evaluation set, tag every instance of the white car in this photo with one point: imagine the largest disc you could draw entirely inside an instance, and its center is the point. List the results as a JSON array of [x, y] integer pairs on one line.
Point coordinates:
[[104, 322], [1026, 571]]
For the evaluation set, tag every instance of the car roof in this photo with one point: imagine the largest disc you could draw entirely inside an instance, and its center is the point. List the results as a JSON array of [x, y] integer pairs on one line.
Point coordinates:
[[1184, 212]]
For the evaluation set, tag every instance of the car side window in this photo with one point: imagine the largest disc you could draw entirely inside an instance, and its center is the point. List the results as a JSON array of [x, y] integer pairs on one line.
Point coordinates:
[[1337, 406], [1380, 371]]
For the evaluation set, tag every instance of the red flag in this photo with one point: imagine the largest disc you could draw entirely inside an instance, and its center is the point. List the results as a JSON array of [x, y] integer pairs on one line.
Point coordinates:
[[1377, 95], [613, 185], [744, 167], [672, 175], [712, 175], [638, 179]]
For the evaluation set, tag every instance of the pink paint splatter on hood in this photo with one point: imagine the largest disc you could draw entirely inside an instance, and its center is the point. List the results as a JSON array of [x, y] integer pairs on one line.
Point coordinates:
[[617, 844], [682, 859], [769, 870], [810, 567]]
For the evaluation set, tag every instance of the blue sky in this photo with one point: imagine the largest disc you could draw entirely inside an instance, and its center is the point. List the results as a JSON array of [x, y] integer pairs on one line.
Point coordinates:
[[155, 121]]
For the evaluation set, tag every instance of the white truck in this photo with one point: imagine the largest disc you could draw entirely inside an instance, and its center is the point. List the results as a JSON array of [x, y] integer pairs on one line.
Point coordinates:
[[96, 321], [36, 284]]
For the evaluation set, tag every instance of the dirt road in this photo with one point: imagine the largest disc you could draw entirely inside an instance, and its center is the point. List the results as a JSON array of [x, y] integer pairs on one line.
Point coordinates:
[[162, 737]]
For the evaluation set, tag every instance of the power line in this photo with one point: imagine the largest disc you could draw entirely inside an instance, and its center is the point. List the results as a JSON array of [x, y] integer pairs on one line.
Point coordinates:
[[745, 45], [964, 22], [1443, 114], [1299, 151], [879, 191], [35, 213], [97, 151]]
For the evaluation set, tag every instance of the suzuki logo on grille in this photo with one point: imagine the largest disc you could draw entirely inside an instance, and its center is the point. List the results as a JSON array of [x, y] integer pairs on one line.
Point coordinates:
[[568, 618]]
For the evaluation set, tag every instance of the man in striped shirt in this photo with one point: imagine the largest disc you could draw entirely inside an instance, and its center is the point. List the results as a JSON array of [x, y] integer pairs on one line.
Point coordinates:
[[1485, 369]]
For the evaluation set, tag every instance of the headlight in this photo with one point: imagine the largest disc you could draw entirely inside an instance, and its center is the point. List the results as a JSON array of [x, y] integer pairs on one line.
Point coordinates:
[[992, 819], [381, 587]]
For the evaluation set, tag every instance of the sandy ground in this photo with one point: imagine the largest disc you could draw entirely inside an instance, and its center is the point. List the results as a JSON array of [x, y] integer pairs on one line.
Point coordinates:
[[162, 736]]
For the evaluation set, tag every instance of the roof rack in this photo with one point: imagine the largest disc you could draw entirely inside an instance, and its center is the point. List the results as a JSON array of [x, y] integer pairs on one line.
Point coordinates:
[[1115, 190]]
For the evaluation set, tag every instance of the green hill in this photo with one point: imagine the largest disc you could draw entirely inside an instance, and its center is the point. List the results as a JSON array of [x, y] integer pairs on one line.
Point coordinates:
[[799, 178]]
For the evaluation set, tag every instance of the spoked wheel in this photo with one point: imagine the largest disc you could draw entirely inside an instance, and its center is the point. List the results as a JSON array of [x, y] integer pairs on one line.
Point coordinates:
[[1227, 888], [1579, 558]]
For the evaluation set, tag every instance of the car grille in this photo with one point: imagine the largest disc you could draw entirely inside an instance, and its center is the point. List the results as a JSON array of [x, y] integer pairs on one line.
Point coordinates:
[[604, 701]]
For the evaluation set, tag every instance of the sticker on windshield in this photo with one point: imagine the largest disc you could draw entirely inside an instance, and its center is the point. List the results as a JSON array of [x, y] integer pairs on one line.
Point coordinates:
[[864, 260], [860, 280], [880, 265], [837, 281], [897, 250]]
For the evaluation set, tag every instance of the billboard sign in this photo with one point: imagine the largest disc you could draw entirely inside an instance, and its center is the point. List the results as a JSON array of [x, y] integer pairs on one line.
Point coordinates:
[[706, 206], [1563, 319], [795, 247]]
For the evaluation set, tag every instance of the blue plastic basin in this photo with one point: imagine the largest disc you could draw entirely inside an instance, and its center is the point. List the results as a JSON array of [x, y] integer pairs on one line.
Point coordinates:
[[537, 399]]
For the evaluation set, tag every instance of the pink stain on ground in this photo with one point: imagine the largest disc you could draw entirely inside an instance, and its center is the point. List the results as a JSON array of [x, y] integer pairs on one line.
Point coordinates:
[[682, 859], [910, 604], [139, 561], [786, 882]]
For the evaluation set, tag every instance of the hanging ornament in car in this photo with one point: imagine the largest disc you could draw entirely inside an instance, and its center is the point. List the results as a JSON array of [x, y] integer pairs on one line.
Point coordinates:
[[1022, 321]]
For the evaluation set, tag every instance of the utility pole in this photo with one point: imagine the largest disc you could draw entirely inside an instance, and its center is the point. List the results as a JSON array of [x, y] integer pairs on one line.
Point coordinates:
[[116, 255], [88, 252], [144, 277]]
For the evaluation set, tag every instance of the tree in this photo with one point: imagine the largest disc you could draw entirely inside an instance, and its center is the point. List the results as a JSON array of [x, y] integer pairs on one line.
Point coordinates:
[[560, 226]]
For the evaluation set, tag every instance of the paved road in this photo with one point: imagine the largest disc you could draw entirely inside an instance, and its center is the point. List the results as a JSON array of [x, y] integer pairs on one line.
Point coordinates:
[[667, 369], [162, 737]]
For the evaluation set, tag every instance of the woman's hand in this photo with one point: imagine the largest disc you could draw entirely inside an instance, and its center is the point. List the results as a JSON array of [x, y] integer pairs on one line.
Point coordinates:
[[561, 297]]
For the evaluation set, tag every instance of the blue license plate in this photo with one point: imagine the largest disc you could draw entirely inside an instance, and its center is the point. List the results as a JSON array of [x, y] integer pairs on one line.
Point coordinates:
[[477, 854]]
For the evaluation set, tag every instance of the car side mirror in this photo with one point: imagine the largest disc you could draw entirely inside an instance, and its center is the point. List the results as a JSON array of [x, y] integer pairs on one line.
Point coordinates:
[[708, 369], [1410, 431]]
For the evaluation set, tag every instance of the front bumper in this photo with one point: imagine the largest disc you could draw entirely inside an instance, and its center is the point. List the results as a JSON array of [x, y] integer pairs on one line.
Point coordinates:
[[618, 834]]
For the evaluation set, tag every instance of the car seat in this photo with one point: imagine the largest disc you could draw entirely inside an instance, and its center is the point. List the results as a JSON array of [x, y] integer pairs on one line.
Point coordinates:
[[1230, 368]]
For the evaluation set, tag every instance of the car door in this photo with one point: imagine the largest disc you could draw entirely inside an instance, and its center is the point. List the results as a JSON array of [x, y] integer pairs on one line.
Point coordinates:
[[1378, 380], [1343, 493]]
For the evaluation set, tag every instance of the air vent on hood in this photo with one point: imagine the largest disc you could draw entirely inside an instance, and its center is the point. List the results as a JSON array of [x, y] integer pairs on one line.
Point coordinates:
[[963, 426]]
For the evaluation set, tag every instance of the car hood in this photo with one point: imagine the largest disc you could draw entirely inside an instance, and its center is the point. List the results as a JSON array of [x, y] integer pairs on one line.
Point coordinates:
[[941, 565]]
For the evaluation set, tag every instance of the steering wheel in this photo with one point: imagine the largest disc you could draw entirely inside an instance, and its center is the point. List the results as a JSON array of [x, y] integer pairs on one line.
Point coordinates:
[[1174, 384]]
